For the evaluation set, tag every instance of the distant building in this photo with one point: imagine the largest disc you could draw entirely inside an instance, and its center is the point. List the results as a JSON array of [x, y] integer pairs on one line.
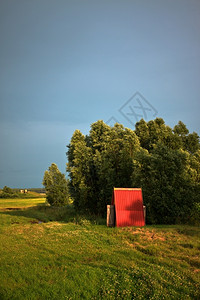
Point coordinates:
[[24, 191]]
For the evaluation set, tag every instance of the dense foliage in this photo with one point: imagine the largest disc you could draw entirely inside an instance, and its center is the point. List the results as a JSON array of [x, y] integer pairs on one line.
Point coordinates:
[[7, 192], [56, 186], [165, 162]]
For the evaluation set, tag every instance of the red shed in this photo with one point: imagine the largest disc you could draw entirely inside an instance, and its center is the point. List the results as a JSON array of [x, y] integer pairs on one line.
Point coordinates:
[[128, 207]]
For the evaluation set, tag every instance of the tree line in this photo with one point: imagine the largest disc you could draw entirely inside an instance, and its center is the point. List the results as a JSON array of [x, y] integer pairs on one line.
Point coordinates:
[[164, 162]]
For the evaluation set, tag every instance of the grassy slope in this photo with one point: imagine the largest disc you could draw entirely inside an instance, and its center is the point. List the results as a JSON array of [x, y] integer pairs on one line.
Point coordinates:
[[78, 259]]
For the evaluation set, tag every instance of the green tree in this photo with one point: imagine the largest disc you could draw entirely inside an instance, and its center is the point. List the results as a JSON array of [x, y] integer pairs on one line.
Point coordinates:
[[164, 162], [98, 162], [7, 192], [79, 164], [189, 141], [169, 191], [56, 186], [156, 131]]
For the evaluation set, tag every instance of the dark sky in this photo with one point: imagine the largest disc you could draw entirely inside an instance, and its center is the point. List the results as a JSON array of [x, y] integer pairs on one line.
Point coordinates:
[[66, 64]]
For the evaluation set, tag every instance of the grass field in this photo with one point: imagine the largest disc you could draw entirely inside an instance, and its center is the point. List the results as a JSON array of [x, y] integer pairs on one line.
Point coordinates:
[[50, 253], [20, 203]]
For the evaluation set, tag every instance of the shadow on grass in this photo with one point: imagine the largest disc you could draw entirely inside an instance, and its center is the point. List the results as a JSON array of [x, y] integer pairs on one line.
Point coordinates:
[[44, 213]]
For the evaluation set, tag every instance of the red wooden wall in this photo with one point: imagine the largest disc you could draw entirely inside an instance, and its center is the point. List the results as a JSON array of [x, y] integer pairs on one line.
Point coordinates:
[[128, 207]]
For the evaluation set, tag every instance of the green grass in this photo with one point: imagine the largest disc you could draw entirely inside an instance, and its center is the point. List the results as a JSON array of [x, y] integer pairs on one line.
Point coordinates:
[[51, 253], [21, 203]]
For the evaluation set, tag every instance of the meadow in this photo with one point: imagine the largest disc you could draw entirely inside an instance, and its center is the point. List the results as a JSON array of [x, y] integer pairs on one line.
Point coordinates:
[[53, 253]]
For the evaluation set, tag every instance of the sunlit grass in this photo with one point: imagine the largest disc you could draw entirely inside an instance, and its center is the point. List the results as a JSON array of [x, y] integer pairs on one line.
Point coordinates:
[[15, 202], [52, 253]]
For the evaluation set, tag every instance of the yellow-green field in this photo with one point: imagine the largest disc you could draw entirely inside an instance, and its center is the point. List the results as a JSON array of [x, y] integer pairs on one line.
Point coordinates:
[[21, 203], [52, 253]]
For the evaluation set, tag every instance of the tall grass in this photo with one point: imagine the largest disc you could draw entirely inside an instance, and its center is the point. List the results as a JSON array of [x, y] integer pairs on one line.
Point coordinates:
[[52, 253]]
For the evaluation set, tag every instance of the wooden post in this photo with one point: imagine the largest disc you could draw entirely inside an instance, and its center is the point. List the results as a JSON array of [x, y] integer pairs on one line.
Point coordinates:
[[110, 215], [144, 209]]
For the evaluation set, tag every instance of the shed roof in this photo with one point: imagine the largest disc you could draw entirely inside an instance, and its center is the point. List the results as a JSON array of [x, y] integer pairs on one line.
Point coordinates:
[[128, 206]]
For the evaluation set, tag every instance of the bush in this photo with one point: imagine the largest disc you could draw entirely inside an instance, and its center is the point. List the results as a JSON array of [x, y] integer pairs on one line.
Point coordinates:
[[56, 187], [8, 193]]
